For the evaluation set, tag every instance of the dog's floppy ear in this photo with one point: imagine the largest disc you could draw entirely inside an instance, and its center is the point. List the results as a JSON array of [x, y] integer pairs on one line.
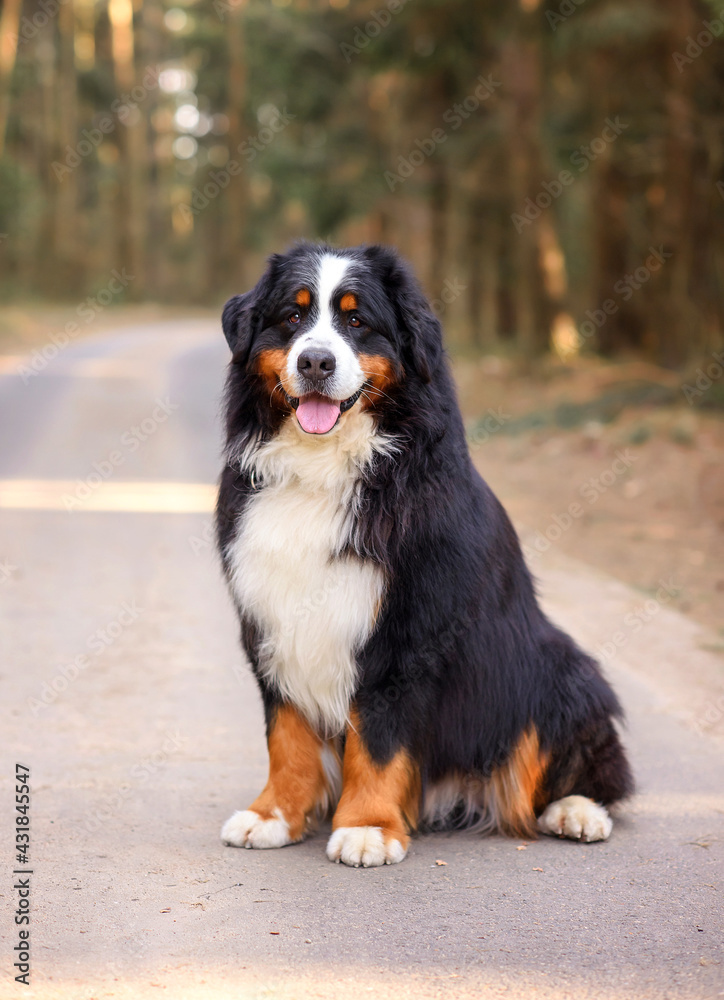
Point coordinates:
[[419, 326], [237, 323], [424, 333], [243, 316]]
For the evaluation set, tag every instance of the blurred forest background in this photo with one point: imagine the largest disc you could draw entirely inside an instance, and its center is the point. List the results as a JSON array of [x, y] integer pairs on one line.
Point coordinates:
[[554, 170]]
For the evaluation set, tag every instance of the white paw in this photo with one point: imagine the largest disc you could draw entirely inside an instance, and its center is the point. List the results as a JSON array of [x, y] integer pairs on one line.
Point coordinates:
[[248, 829], [576, 817], [365, 846]]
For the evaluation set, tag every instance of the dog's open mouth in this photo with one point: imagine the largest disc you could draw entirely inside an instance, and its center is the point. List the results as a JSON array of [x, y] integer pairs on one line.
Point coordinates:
[[318, 414]]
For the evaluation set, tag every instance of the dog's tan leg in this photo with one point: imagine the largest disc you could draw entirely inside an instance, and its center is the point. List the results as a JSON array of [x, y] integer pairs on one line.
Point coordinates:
[[516, 789], [378, 807], [301, 783]]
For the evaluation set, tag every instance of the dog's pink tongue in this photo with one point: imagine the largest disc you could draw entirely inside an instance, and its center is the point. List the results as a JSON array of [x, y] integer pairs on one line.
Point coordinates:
[[316, 414]]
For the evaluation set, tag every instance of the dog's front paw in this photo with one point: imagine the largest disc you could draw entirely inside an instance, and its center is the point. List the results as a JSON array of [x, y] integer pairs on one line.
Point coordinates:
[[247, 829], [576, 817], [364, 846]]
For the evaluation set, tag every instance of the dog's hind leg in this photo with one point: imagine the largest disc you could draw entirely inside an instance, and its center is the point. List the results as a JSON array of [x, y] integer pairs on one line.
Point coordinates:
[[589, 775], [516, 790], [577, 818]]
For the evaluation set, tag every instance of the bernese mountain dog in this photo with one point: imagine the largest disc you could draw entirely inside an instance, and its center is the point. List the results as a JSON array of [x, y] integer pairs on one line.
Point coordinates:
[[410, 680]]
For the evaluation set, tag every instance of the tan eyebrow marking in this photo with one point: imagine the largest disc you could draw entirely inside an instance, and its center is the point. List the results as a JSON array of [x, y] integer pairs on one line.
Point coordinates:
[[303, 298], [348, 302]]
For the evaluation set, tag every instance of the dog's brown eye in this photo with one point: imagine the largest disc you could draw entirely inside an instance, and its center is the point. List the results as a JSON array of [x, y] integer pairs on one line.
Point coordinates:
[[295, 317], [354, 321]]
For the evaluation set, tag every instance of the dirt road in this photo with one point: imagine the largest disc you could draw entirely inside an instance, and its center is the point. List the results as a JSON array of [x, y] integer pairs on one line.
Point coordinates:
[[124, 693]]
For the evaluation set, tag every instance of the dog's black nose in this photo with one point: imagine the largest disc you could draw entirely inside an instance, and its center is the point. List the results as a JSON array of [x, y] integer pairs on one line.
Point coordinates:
[[316, 365]]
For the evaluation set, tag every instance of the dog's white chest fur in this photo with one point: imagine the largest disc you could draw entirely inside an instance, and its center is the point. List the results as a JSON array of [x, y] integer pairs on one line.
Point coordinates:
[[314, 606]]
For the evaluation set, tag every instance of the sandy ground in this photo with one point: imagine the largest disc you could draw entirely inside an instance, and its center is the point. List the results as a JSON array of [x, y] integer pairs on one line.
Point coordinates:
[[139, 755], [646, 483]]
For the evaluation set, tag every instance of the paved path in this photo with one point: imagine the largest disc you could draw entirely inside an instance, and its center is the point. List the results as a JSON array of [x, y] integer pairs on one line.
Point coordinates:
[[140, 756]]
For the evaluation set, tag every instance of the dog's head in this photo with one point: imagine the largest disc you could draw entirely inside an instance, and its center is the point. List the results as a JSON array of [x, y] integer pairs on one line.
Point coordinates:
[[327, 330]]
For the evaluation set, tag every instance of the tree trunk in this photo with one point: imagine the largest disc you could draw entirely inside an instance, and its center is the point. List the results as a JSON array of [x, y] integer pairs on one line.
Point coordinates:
[[132, 142], [522, 76], [9, 24], [233, 216]]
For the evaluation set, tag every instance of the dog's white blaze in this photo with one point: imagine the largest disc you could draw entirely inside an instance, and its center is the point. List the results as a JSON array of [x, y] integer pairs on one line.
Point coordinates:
[[314, 607], [348, 376]]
